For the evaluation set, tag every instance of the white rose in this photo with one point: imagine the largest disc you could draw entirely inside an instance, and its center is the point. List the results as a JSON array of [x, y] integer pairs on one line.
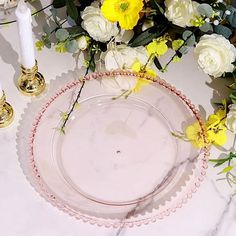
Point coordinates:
[[98, 27], [82, 42], [180, 12], [123, 57], [214, 54], [118, 83], [231, 118]]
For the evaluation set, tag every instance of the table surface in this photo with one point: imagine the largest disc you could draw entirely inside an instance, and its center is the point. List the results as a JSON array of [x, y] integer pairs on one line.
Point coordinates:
[[210, 212]]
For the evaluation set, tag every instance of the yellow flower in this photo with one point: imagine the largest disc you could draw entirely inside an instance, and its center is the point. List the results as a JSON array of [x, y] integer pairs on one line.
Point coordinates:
[[126, 12], [176, 59], [157, 47], [195, 135], [222, 111], [216, 129], [60, 47], [138, 67], [176, 44], [217, 135], [198, 21], [39, 45]]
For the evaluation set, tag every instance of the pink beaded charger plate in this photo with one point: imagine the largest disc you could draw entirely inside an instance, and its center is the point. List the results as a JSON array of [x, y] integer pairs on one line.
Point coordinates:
[[118, 163]]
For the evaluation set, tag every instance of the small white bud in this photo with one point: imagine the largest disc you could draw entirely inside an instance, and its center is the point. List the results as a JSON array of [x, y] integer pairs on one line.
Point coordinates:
[[207, 20], [82, 42], [227, 12], [216, 22]]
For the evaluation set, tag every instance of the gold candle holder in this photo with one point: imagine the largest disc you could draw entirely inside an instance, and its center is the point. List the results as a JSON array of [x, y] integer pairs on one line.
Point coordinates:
[[31, 82], [6, 112]]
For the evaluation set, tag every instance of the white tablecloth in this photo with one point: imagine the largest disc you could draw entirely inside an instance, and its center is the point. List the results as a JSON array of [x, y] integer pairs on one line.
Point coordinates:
[[211, 211]]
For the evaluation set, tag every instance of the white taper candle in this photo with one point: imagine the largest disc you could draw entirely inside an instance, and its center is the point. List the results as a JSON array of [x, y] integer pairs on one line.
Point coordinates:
[[24, 20]]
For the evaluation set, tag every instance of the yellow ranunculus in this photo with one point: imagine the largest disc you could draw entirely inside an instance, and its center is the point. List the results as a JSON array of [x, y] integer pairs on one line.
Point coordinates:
[[126, 12]]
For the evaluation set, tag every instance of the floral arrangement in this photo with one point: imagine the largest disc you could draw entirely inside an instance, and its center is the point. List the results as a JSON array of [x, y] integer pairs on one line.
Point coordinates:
[[135, 34], [6, 4]]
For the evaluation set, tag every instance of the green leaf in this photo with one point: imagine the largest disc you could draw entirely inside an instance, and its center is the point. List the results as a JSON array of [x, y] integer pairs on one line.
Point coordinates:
[[223, 30], [206, 27], [71, 22], [147, 36], [184, 50], [92, 65], [46, 29], [54, 13], [227, 169], [62, 34], [158, 64], [156, 6], [205, 9], [189, 38], [71, 46], [46, 41], [71, 9], [232, 17], [220, 6], [76, 30], [59, 3], [219, 160], [233, 97]]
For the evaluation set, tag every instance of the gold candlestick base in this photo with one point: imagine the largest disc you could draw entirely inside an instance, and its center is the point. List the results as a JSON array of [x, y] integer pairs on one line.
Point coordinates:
[[31, 82], [6, 112]]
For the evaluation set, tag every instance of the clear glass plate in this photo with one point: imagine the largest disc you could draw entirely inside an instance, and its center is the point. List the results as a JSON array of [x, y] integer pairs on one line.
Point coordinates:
[[118, 162]]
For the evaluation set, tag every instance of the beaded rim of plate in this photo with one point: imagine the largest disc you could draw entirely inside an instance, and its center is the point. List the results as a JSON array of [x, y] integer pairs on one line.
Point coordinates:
[[191, 185]]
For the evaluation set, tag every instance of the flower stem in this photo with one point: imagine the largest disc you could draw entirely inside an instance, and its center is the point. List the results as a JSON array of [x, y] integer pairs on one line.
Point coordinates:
[[176, 53], [78, 95], [146, 64], [33, 14]]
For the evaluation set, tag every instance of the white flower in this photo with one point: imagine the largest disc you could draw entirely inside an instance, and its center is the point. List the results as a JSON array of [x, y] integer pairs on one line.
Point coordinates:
[[82, 42], [231, 118], [8, 3], [97, 26], [118, 83], [123, 57], [180, 12], [215, 54], [124, 36]]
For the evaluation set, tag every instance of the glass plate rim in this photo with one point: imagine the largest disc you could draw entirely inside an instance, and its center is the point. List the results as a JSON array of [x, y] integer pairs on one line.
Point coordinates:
[[37, 183]]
